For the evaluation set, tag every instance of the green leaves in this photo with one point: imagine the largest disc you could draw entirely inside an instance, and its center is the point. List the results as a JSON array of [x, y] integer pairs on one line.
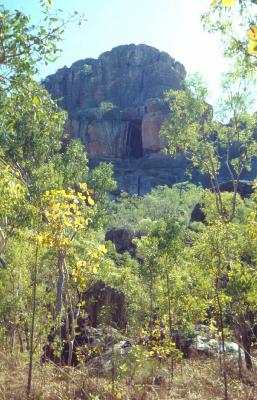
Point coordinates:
[[23, 45], [192, 131], [190, 128], [234, 20]]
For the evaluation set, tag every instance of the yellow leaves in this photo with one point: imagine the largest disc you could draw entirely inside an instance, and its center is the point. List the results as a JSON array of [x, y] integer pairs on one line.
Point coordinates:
[[252, 48], [103, 249], [252, 33], [84, 269], [65, 211], [225, 3], [83, 186], [94, 269], [228, 3], [90, 201], [81, 264], [252, 36], [35, 100]]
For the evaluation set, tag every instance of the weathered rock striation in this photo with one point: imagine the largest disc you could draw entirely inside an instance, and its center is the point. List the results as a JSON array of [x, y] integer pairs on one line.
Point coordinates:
[[116, 107]]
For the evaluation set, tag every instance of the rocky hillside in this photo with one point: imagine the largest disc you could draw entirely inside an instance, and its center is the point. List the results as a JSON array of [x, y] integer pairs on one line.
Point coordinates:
[[115, 106]]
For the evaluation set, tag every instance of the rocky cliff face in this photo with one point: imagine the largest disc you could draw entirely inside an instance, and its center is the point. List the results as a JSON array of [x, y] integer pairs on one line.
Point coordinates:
[[115, 106]]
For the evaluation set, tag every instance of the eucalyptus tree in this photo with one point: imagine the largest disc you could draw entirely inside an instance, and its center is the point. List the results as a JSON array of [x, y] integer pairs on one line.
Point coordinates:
[[206, 142]]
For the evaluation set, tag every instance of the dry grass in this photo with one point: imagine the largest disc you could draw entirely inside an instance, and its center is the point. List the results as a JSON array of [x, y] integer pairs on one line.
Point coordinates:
[[197, 379]]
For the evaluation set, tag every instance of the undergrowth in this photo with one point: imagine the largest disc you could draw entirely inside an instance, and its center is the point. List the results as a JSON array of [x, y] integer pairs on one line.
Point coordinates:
[[195, 379]]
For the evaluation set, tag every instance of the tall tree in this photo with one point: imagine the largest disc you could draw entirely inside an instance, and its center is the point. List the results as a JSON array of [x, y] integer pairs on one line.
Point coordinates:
[[206, 142]]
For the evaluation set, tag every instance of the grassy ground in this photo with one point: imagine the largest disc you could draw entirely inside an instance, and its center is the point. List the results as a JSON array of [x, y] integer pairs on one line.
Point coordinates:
[[197, 379]]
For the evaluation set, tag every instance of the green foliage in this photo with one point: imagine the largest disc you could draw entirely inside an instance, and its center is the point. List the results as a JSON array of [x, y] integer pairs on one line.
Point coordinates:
[[178, 277], [139, 213], [234, 24], [24, 45], [32, 127], [192, 131]]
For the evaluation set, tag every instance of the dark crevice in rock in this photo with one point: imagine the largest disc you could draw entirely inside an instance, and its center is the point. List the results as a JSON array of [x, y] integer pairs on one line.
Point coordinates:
[[134, 146]]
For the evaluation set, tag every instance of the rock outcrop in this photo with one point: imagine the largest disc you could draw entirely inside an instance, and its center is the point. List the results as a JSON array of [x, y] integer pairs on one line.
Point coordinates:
[[123, 239], [96, 327], [116, 107], [105, 303]]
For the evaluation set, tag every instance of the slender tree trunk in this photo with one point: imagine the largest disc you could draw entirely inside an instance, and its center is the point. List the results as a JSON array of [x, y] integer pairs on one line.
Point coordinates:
[[60, 282], [71, 337], [34, 296], [224, 366], [247, 348], [21, 342], [151, 300], [70, 328], [240, 369], [26, 332], [169, 302], [13, 340]]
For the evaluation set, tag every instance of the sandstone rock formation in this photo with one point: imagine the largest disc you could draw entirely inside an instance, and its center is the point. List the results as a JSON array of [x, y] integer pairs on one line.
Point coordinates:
[[116, 107]]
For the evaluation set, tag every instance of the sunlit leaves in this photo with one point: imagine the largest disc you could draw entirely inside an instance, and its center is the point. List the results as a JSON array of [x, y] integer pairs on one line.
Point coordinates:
[[225, 3], [252, 36], [233, 19], [12, 191], [24, 44], [30, 132], [228, 3], [84, 269], [64, 212]]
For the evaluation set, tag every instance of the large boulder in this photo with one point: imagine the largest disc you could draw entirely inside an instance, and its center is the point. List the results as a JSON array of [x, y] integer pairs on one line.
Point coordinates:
[[105, 304], [96, 327], [123, 239]]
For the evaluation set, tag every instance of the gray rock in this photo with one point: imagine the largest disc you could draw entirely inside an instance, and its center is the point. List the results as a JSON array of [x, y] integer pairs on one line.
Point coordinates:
[[126, 76], [205, 344], [116, 107], [161, 375]]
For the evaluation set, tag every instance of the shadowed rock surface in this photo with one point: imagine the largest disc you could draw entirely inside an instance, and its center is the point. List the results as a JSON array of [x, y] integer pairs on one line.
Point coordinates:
[[123, 239], [96, 326], [116, 107], [104, 303]]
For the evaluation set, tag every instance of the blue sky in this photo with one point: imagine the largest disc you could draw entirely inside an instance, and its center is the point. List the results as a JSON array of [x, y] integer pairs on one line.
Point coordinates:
[[170, 25]]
